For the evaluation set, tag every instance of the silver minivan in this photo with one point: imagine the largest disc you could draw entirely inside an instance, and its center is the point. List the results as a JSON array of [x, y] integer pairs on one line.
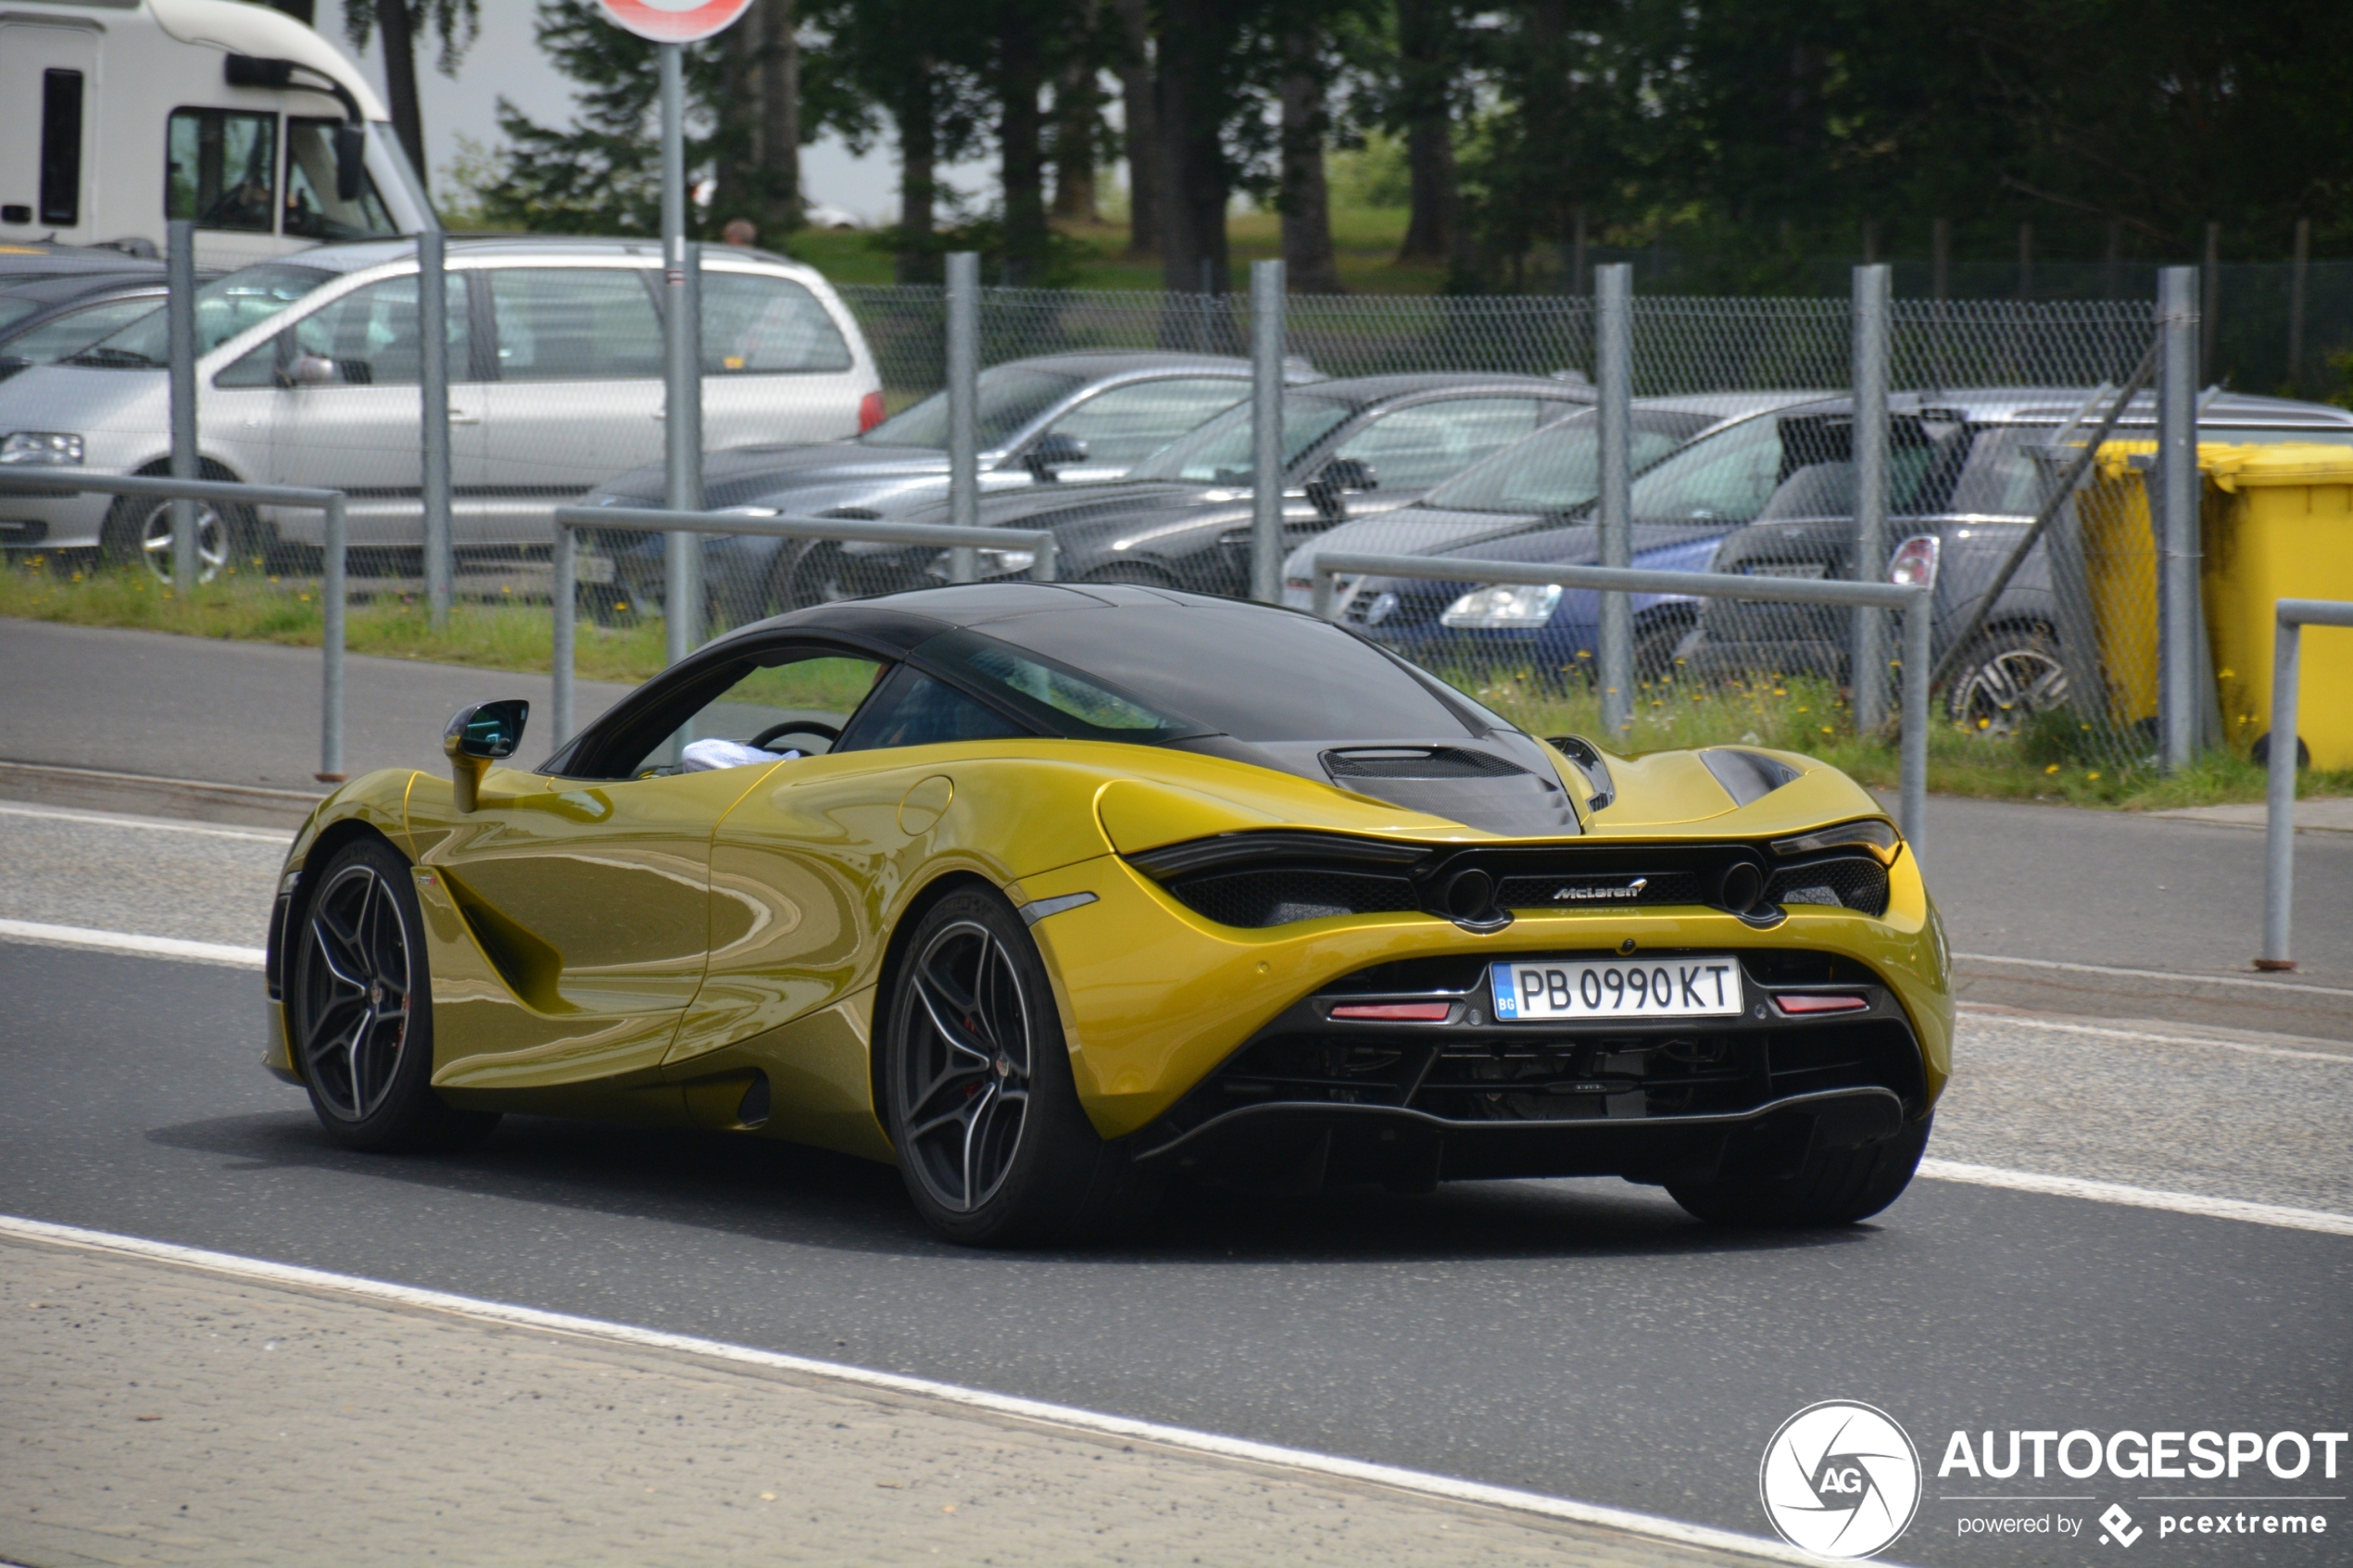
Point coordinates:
[[306, 374]]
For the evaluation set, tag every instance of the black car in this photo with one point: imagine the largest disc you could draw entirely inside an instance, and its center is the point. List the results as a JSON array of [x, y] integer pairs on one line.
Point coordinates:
[[1966, 473], [44, 319], [1056, 420], [1354, 447]]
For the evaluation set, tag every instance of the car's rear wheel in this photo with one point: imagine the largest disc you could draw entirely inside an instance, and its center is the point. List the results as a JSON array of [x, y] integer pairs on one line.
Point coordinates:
[[138, 528], [993, 1145], [1829, 1187], [359, 1009], [2005, 678]]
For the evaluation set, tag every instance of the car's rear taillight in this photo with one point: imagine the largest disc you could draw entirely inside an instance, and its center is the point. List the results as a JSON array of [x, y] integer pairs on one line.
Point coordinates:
[[1914, 563], [870, 411]]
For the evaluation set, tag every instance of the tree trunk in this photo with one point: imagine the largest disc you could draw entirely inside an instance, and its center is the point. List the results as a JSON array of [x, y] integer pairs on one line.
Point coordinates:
[[1426, 99], [1194, 172], [778, 130], [1021, 143], [1141, 135], [304, 11], [400, 80], [1305, 201], [917, 114], [1078, 114]]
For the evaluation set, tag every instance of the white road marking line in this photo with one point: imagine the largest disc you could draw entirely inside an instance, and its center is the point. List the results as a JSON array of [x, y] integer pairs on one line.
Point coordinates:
[[150, 824], [2160, 974], [1097, 1422], [2025, 1022], [126, 942], [2318, 1220]]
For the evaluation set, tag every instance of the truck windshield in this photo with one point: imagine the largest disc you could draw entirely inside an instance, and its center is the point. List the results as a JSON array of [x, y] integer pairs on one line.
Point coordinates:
[[224, 308]]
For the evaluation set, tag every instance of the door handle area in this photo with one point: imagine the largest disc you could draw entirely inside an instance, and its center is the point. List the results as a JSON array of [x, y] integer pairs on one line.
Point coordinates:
[[465, 417]]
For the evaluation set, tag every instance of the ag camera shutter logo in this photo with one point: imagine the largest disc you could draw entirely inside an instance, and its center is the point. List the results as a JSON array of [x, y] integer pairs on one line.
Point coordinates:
[[1840, 1479]]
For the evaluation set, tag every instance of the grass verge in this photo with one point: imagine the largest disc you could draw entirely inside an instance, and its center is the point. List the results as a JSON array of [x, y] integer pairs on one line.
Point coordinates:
[[1797, 715]]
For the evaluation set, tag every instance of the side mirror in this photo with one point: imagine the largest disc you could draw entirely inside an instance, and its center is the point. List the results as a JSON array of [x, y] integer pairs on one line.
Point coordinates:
[[310, 370], [479, 734], [351, 161], [1350, 473], [1053, 451]]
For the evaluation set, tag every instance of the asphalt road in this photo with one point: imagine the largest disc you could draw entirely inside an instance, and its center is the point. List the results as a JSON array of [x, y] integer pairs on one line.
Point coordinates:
[[1582, 1338]]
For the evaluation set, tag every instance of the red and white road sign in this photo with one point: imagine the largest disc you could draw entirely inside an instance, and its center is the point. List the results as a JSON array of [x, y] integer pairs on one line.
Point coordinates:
[[673, 22]]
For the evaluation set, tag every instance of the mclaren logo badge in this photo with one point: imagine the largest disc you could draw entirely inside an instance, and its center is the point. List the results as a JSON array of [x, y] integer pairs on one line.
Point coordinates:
[[1587, 893]]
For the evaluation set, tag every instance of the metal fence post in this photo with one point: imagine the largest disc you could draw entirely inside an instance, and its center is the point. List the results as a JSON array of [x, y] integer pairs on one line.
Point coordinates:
[[331, 597], [1614, 373], [2178, 530], [2279, 811], [964, 413], [682, 444], [1266, 431], [1869, 437], [180, 323], [1911, 813], [562, 653], [432, 414]]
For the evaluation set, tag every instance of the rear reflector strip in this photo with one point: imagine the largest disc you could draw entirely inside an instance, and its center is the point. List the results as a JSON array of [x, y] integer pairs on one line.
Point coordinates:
[[1802, 1007], [1395, 1012]]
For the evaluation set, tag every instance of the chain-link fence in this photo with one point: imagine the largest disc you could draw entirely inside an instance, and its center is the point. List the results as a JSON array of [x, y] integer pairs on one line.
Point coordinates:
[[1483, 441]]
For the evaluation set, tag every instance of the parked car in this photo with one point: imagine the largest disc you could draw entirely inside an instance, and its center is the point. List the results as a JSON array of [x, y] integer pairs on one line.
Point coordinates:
[[1053, 420], [1364, 445], [47, 319], [1964, 488], [1542, 482], [306, 374], [1680, 508]]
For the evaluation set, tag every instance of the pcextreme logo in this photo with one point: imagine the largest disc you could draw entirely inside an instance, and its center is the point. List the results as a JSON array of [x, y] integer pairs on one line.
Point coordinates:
[[1840, 1479]]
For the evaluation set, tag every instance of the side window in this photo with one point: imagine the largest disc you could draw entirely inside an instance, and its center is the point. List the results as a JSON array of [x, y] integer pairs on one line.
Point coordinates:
[[61, 336], [1414, 448], [222, 169], [314, 210], [574, 323], [754, 711], [61, 147], [1125, 424], [758, 325], [369, 336], [914, 709], [1725, 478]]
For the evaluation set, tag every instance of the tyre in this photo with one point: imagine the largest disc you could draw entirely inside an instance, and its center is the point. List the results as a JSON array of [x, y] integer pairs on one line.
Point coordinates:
[[2006, 677], [1831, 1187], [138, 528], [359, 1009], [979, 1101]]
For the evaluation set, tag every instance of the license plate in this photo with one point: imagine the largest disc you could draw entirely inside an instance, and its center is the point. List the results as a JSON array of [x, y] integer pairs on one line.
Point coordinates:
[[1548, 990], [593, 568]]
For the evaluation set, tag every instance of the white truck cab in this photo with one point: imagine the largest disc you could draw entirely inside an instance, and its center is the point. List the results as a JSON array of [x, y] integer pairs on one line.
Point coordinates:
[[117, 115]]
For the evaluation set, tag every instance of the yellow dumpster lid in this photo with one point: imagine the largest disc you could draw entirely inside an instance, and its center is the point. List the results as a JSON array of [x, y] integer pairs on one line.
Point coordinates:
[[2238, 465], [2287, 463]]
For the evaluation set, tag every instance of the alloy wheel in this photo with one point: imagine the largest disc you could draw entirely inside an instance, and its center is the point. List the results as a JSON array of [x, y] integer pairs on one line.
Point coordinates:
[[963, 1070], [212, 541], [1997, 696], [356, 992]]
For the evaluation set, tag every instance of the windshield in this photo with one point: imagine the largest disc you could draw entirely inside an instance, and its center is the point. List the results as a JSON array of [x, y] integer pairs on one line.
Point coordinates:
[[1207, 671], [1554, 471], [61, 336], [224, 308], [1011, 397], [1219, 453]]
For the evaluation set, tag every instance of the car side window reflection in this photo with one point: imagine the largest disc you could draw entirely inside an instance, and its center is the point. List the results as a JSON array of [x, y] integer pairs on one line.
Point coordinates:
[[763, 709], [914, 709]]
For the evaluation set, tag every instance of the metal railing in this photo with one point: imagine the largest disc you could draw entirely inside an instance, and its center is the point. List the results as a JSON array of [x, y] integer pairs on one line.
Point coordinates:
[[61, 482], [563, 588], [2279, 815], [1913, 602]]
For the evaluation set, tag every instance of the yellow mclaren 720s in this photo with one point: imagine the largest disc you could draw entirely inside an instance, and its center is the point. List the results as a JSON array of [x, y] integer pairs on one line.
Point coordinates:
[[1052, 896]]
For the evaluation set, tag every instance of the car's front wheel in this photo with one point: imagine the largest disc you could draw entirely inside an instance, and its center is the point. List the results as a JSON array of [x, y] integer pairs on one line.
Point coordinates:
[[359, 1009], [2005, 678], [1829, 1187], [993, 1145]]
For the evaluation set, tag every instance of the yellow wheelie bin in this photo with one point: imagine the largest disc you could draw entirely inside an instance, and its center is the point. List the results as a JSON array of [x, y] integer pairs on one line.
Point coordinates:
[[2279, 525], [2277, 522]]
